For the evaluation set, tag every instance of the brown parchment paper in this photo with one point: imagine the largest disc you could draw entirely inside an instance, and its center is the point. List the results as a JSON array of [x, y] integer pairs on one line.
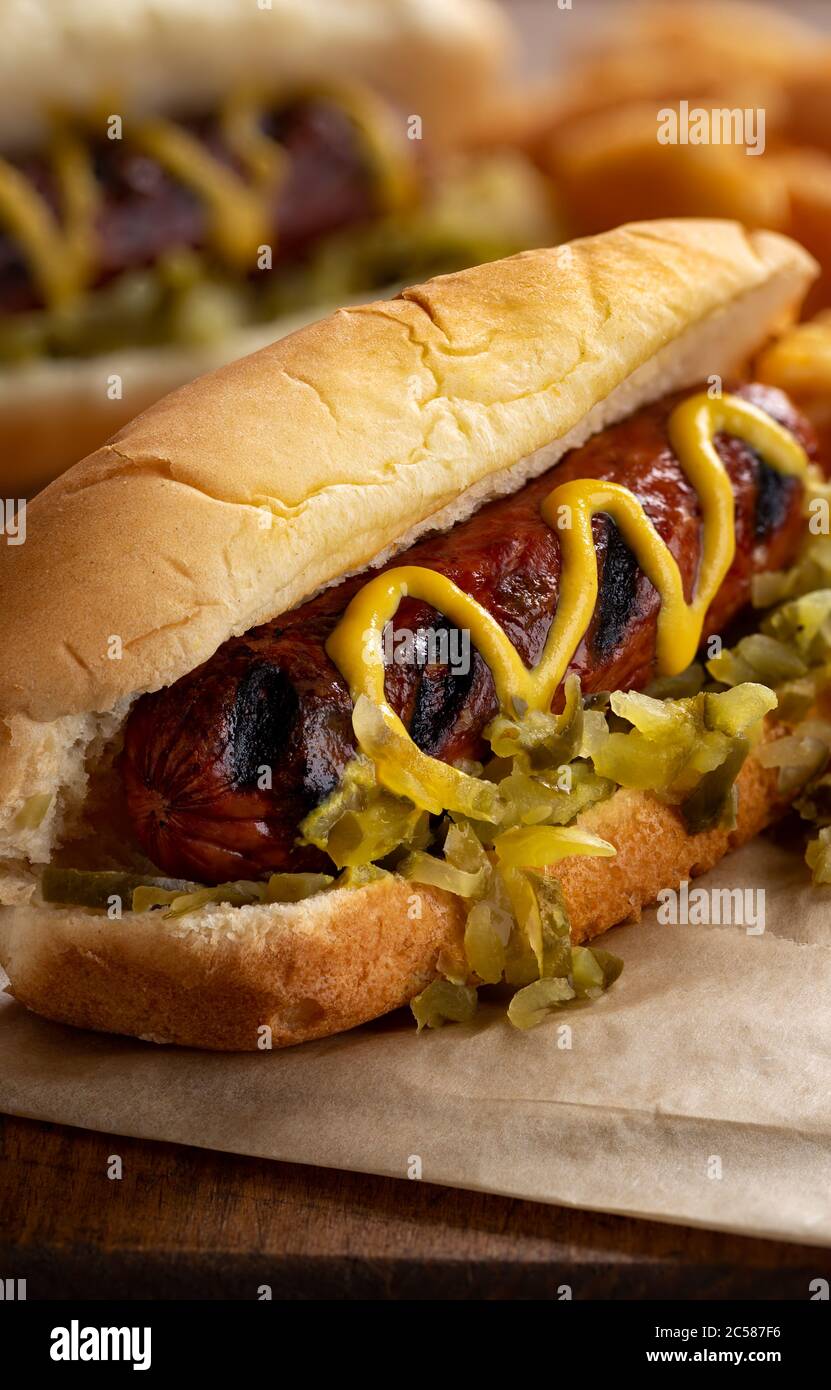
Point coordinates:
[[696, 1091]]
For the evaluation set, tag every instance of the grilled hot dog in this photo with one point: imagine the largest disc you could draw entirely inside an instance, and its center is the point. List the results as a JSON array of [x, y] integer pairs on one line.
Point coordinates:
[[273, 698]]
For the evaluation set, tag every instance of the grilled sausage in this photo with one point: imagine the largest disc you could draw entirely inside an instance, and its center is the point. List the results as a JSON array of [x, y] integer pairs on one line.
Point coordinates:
[[196, 756], [146, 212]]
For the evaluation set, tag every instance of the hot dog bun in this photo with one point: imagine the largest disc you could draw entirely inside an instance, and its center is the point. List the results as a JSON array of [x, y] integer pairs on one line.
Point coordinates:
[[349, 438]]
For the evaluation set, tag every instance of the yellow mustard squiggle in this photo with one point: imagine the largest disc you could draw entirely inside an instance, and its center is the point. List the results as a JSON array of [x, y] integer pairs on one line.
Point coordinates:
[[693, 425]]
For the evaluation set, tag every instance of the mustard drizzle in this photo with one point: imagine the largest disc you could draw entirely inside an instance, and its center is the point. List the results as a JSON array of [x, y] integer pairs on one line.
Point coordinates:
[[60, 250], [356, 644]]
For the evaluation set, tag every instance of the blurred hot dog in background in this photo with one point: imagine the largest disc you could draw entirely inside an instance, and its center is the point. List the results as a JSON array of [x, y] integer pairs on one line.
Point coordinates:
[[181, 182]]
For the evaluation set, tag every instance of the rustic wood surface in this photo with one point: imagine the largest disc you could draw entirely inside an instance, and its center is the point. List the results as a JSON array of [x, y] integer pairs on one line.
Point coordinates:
[[188, 1223]]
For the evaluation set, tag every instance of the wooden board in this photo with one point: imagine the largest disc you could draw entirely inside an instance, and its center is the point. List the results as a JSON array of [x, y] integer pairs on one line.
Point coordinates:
[[188, 1223]]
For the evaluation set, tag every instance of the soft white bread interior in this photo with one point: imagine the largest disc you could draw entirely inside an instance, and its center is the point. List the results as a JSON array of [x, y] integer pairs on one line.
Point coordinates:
[[445, 62], [245, 492]]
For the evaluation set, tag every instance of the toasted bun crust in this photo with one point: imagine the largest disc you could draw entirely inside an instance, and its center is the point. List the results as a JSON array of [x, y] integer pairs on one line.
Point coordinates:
[[244, 492], [315, 968], [445, 61]]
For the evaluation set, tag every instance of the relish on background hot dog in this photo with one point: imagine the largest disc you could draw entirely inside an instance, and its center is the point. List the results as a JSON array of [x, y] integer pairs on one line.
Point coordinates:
[[557, 459]]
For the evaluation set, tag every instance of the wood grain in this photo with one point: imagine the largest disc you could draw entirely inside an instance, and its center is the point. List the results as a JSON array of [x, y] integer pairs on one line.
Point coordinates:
[[189, 1223]]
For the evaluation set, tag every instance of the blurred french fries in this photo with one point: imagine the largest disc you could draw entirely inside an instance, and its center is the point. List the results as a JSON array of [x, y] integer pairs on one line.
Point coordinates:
[[807, 175], [800, 363], [800, 360], [732, 36], [808, 96], [610, 169], [595, 134]]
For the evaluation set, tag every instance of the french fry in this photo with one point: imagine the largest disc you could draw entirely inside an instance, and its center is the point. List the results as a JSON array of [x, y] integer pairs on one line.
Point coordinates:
[[611, 168], [807, 174]]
